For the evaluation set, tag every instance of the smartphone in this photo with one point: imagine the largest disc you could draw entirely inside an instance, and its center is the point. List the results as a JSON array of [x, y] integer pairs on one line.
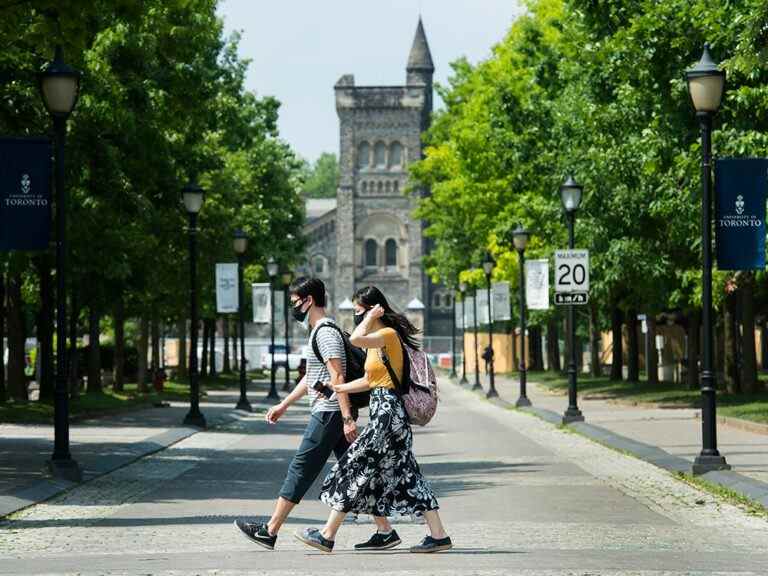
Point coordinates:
[[322, 389]]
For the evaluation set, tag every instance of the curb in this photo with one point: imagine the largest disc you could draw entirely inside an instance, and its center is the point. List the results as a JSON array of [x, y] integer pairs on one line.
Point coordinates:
[[47, 488], [742, 485]]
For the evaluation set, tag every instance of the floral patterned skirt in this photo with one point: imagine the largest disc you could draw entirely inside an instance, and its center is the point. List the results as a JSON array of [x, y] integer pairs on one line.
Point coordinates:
[[379, 475]]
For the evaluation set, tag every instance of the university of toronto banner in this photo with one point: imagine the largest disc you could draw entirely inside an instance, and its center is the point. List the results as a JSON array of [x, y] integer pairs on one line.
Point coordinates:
[[740, 194], [25, 193]]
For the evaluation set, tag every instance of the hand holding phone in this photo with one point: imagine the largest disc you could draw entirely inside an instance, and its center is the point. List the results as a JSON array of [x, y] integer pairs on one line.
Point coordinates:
[[322, 389]]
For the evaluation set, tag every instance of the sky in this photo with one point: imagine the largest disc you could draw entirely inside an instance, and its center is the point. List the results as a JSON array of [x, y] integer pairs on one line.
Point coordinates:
[[300, 48]]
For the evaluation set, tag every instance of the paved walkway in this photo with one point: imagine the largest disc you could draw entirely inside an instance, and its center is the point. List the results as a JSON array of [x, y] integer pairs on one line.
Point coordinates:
[[518, 496], [99, 445], [676, 431]]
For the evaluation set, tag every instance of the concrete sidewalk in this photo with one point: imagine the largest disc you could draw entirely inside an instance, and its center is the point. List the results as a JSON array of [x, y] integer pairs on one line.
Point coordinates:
[[100, 445], [670, 438]]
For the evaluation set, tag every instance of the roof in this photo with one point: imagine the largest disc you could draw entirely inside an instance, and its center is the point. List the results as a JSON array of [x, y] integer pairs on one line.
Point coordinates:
[[318, 207], [420, 57]]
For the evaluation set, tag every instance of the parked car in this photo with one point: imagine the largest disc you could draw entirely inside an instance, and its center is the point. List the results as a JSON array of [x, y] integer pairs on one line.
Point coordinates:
[[294, 360]]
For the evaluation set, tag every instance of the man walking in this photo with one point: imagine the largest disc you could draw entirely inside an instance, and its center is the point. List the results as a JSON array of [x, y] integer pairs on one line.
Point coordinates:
[[331, 426]]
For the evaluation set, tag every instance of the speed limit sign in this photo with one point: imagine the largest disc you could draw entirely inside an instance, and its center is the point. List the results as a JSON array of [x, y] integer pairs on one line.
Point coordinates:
[[572, 271]]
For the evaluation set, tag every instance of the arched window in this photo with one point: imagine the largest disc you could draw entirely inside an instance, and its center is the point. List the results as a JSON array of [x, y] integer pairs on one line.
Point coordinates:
[[388, 187], [371, 251], [436, 300], [318, 266], [364, 155], [380, 155], [365, 187], [390, 252], [395, 154], [380, 187], [448, 302], [396, 186]]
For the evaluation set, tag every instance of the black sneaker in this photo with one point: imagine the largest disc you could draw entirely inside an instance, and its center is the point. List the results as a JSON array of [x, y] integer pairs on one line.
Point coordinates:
[[380, 541], [430, 544], [257, 533], [312, 537]]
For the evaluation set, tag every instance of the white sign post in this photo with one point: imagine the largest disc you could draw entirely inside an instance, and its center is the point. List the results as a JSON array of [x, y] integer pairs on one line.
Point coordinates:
[[261, 304], [501, 303], [537, 284], [571, 276], [227, 301]]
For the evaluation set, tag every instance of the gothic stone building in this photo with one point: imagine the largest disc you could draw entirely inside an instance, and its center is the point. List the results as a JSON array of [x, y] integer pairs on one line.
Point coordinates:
[[367, 235]]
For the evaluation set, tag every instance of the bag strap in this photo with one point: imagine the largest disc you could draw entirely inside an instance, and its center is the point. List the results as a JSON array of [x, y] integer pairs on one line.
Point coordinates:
[[316, 346], [385, 360]]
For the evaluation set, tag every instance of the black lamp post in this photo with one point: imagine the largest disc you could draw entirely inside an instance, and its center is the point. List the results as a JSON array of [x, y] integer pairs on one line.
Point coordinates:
[[60, 87], [240, 243], [520, 237], [287, 278], [488, 265], [193, 201], [463, 291], [476, 385], [706, 83], [272, 269], [570, 195], [453, 375]]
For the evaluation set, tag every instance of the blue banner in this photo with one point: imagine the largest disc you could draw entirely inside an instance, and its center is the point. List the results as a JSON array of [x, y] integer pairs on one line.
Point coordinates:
[[25, 193], [740, 194]]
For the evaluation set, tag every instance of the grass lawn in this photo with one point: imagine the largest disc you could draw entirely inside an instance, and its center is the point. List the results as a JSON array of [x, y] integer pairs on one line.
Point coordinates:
[[752, 407], [110, 401]]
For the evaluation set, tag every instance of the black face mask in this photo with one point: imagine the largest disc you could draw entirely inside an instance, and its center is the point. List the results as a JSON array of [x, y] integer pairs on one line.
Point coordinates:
[[298, 315], [358, 318]]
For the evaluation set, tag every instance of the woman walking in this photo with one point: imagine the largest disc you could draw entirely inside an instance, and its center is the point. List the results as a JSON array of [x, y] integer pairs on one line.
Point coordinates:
[[379, 475]]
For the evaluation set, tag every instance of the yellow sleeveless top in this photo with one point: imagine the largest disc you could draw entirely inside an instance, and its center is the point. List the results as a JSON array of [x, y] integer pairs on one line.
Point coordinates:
[[378, 376]]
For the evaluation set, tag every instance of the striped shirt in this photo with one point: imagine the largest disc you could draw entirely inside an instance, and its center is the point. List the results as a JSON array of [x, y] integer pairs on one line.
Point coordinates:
[[331, 345]]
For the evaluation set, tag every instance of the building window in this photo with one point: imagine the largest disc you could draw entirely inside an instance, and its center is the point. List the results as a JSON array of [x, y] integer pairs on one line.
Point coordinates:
[[380, 187], [365, 187], [319, 266], [364, 155], [396, 186], [448, 301], [388, 187], [371, 250], [436, 299], [380, 155], [390, 252], [395, 154]]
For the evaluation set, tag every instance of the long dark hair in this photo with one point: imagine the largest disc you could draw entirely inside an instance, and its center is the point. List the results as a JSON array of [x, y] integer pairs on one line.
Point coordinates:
[[369, 296]]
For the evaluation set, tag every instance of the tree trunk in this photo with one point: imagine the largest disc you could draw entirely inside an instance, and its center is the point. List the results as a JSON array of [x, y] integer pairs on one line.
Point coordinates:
[[553, 345], [617, 361], [537, 354], [74, 359], [3, 393], [732, 383], [45, 331], [694, 348], [17, 382], [212, 348], [181, 328], [204, 357], [143, 350], [155, 332], [749, 352], [594, 341], [119, 320], [235, 341], [94, 352], [652, 355], [226, 367], [633, 362]]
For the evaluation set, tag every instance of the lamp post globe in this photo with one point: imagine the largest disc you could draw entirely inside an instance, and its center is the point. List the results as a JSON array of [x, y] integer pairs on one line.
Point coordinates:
[[272, 270], [706, 83], [570, 196], [520, 237], [59, 87], [488, 265], [287, 278], [193, 196], [240, 246]]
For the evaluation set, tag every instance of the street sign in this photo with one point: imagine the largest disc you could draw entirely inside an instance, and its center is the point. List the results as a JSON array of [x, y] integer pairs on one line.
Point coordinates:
[[571, 271], [568, 298]]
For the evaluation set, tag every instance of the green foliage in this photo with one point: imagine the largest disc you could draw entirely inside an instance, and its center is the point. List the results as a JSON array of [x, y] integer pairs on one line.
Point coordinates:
[[322, 177]]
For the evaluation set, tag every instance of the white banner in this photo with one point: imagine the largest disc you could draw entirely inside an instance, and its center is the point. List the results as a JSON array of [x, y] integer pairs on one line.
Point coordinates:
[[261, 304], [469, 312], [226, 288], [457, 312], [279, 311], [482, 306], [537, 284], [501, 305]]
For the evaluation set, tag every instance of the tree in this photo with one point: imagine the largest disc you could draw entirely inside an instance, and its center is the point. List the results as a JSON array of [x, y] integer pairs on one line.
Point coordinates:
[[322, 177]]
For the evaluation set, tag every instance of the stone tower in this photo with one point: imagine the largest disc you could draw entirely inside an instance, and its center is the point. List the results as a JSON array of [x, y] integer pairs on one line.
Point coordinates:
[[377, 240]]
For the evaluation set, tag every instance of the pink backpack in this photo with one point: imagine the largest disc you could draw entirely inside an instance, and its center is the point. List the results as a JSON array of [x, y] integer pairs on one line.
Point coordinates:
[[419, 391]]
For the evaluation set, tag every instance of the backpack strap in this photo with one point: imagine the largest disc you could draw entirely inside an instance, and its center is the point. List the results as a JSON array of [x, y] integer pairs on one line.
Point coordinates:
[[406, 368], [316, 346]]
